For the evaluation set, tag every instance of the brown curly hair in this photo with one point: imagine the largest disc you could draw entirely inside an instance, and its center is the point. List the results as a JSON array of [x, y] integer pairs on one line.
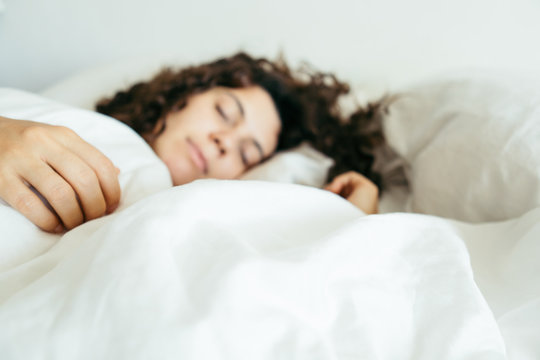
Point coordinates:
[[307, 103]]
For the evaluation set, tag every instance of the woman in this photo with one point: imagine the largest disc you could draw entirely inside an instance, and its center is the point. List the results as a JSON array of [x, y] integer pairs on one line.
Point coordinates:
[[216, 120]]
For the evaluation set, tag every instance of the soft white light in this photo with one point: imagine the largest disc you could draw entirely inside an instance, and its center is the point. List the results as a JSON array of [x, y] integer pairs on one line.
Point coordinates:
[[2, 6]]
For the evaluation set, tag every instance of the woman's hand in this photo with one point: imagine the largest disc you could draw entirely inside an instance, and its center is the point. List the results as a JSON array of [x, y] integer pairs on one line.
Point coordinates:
[[357, 189], [53, 177]]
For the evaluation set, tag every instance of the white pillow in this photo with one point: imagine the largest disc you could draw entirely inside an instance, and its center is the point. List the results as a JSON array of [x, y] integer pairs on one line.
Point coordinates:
[[300, 165], [473, 145]]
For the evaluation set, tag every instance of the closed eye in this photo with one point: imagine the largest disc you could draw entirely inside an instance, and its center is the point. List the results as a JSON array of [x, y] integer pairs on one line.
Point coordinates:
[[244, 159], [251, 153], [222, 113]]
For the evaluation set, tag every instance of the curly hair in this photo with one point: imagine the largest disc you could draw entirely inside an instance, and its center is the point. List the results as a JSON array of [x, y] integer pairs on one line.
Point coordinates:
[[307, 103]]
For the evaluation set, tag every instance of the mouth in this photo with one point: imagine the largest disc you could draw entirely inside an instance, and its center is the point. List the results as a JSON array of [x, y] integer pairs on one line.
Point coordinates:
[[197, 156]]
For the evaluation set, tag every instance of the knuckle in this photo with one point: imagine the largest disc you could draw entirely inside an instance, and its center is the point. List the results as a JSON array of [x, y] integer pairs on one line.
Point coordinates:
[[64, 131], [108, 179], [43, 134], [61, 192], [34, 133], [105, 166], [86, 178], [25, 203]]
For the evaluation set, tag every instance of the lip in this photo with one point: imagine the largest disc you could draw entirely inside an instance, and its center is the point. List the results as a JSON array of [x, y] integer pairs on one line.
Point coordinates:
[[197, 156]]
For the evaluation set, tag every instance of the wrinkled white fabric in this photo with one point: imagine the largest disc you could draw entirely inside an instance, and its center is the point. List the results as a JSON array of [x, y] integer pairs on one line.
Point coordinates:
[[141, 172], [255, 270], [473, 145]]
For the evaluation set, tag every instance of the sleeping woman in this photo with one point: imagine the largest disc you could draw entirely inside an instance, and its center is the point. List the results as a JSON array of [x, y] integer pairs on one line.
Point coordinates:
[[216, 120]]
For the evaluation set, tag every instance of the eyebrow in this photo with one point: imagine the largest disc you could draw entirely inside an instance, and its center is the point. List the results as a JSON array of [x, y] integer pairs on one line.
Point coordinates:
[[241, 108]]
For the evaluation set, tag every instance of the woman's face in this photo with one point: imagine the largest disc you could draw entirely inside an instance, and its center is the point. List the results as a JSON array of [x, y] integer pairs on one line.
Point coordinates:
[[219, 134]]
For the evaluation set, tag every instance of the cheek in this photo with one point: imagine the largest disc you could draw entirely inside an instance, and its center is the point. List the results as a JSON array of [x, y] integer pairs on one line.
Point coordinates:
[[181, 175], [227, 169], [174, 155]]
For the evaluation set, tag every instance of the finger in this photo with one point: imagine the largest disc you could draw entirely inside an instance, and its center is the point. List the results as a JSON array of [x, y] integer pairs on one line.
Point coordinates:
[[337, 184], [354, 177], [365, 197], [361, 179], [57, 192], [22, 199], [334, 187], [343, 185], [103, 167], [106, 173], [83, 180], [331, 187]]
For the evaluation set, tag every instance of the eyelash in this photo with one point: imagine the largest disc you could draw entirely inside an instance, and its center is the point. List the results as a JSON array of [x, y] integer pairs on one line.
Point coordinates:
[[244, 159], [222, 114]]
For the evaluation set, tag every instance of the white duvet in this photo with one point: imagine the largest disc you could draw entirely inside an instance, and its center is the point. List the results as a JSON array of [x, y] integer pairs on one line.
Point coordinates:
[[258, 270], [253, 270]]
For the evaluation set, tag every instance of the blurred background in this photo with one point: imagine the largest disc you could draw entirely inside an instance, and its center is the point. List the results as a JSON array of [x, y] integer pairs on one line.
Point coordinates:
[[386, 41]]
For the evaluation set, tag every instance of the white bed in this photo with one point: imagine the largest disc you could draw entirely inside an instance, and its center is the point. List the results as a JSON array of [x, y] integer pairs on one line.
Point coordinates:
[[252, 269]]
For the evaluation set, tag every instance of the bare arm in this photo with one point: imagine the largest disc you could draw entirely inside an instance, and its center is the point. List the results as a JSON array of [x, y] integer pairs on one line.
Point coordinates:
[[75, 180]]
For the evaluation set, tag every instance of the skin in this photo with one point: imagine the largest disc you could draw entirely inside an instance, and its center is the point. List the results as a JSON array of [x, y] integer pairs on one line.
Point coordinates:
[[357, 189], [58, 181]]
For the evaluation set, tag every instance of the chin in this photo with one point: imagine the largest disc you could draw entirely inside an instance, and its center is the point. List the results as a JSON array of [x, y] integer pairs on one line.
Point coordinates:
[[181, 175], [181, 180]]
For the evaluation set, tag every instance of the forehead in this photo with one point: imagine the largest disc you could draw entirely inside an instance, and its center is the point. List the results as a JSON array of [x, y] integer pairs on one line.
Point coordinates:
[[261, 117]]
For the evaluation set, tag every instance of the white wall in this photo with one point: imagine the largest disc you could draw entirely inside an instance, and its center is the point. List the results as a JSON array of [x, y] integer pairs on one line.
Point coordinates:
[[42, 42]]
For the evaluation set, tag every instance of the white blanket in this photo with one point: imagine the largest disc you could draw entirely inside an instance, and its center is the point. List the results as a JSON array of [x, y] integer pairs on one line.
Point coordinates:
[[254, 270]]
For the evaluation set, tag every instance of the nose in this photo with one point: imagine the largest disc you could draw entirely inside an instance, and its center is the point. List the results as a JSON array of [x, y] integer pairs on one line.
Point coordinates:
[[224, 141]]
